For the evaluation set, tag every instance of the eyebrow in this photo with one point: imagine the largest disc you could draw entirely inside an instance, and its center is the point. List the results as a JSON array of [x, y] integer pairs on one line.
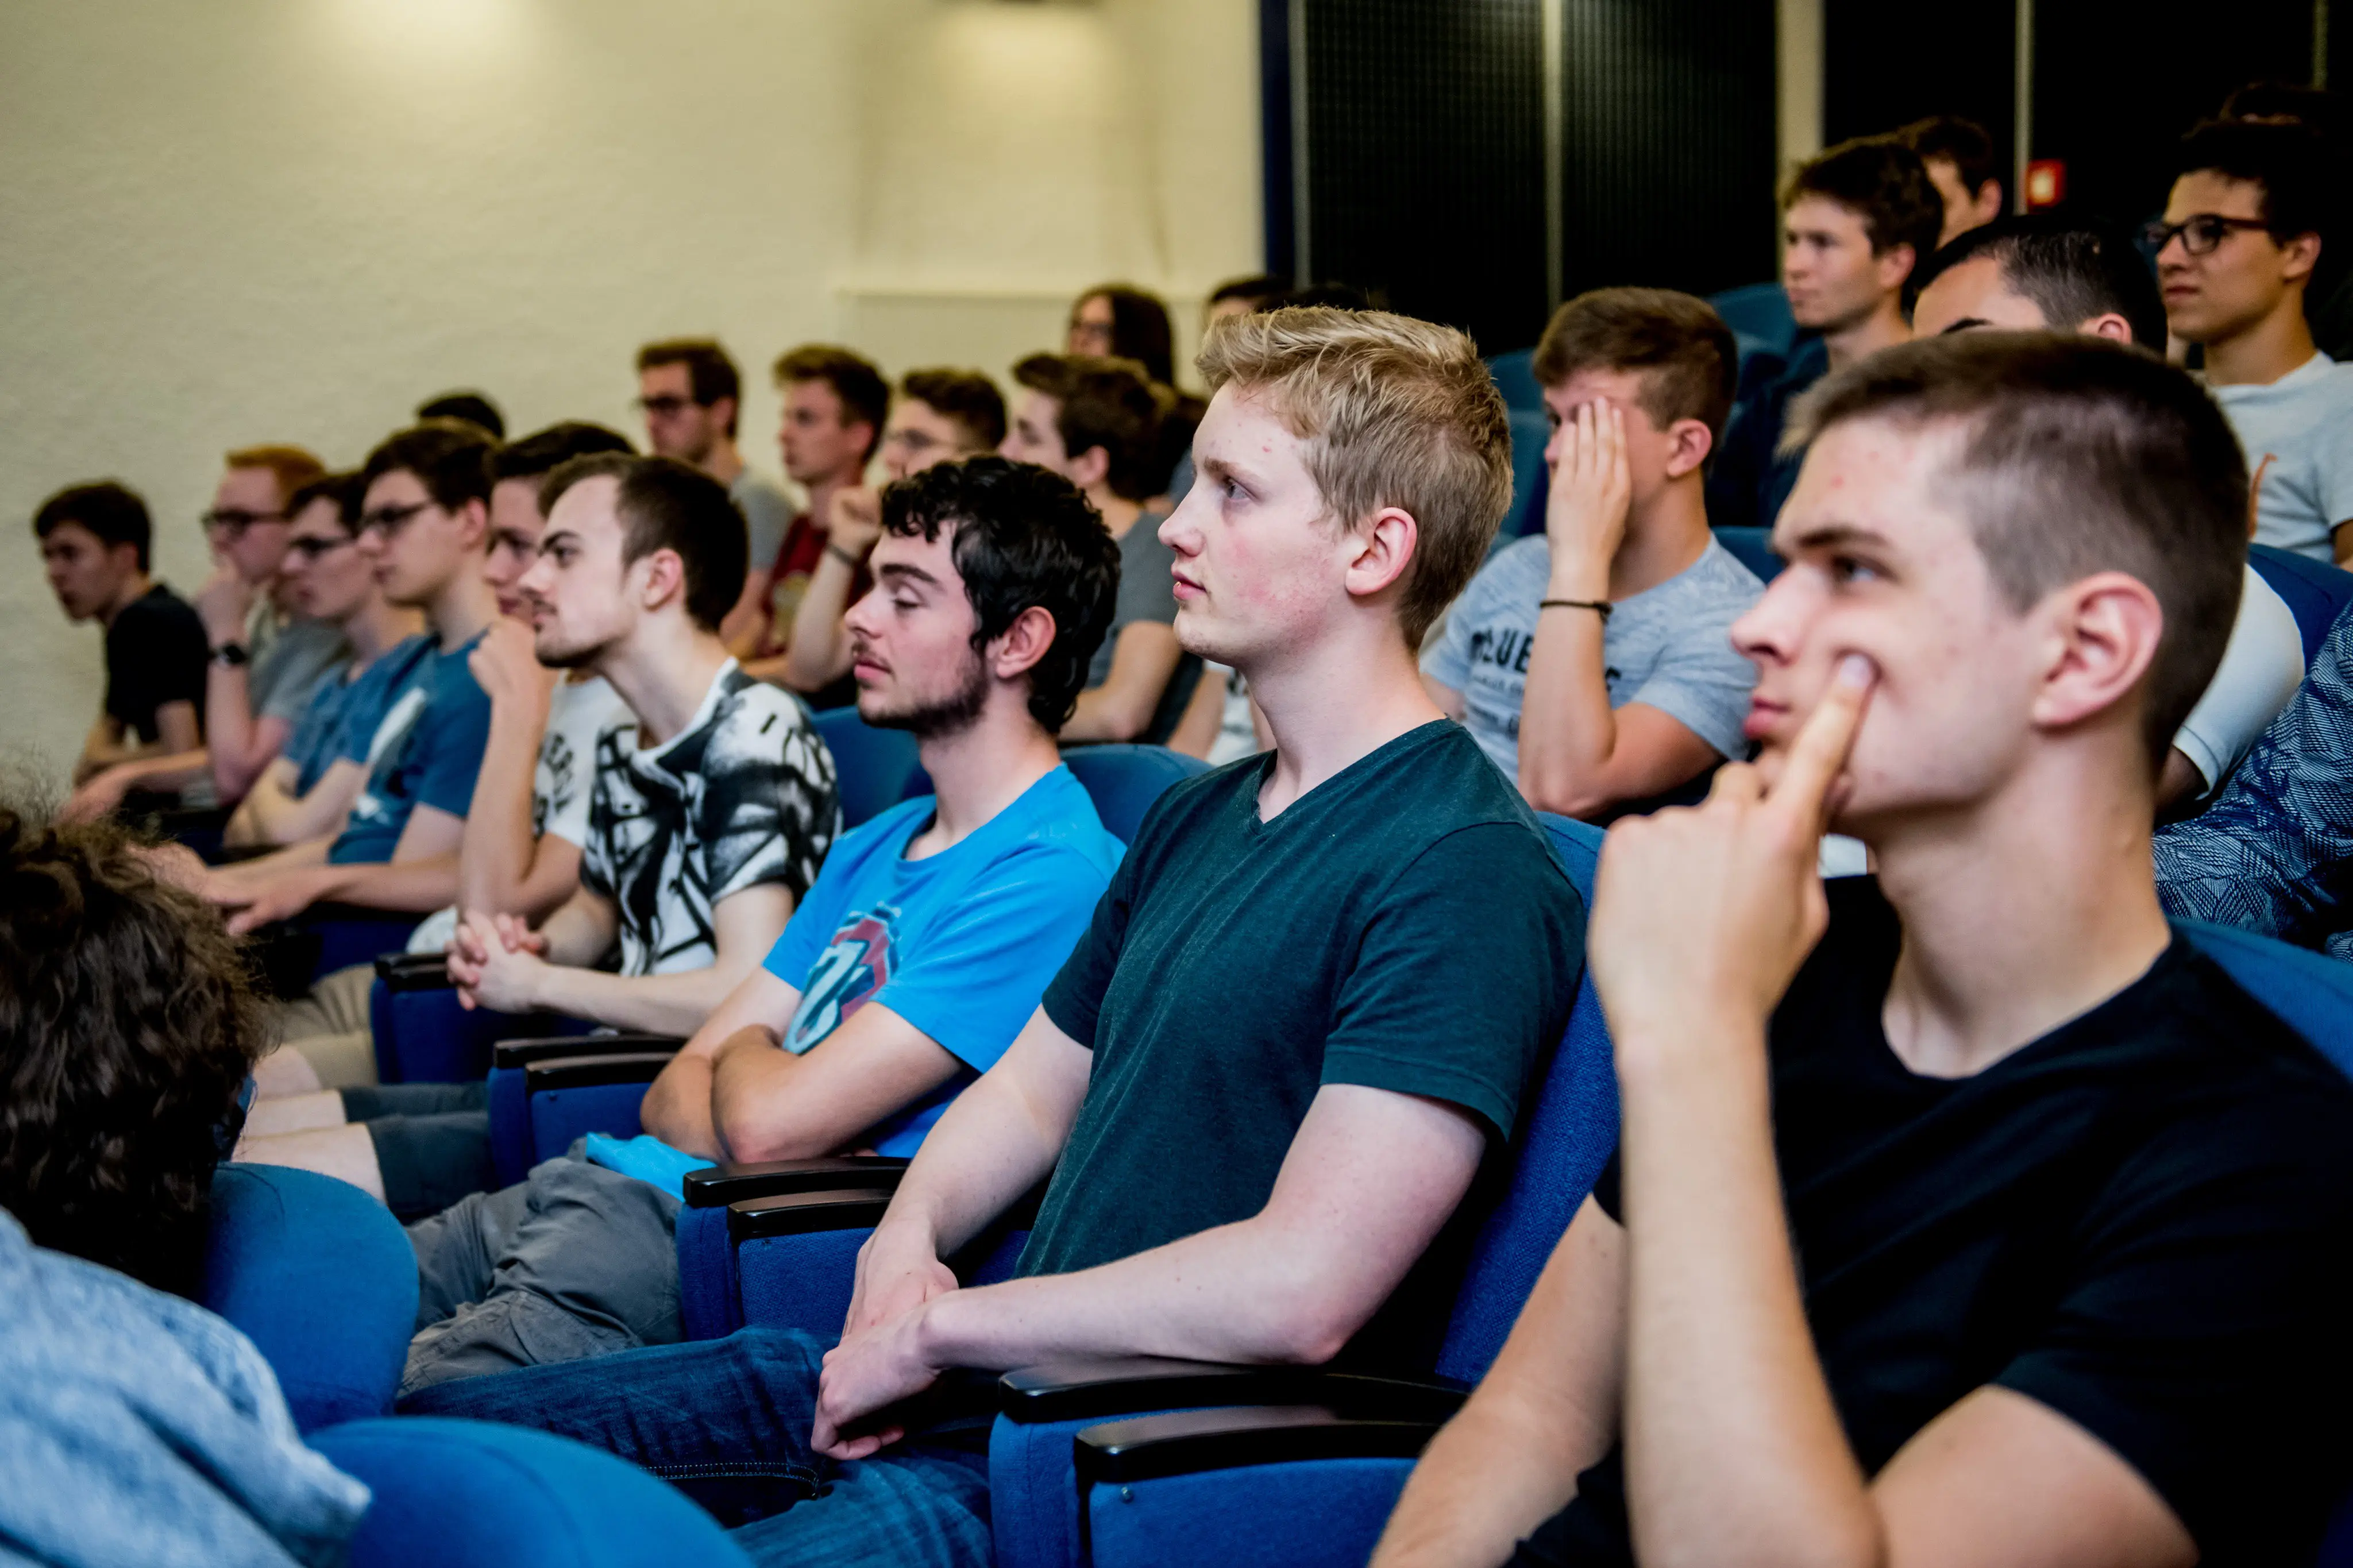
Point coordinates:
[[898, 569], [1831, 535], [1966, 323], [555, 536]]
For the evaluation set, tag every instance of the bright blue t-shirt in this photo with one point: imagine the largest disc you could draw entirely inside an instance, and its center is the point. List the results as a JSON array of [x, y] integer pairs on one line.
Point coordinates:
[[425, 751], [340, 706], [960, 944]]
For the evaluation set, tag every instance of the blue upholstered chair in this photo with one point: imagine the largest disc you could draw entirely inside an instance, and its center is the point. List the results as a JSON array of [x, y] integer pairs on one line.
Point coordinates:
[[321, 1277], [1123, 781], [470, 1494], [873, 770], [1754, 548], [1759, 315], [2315, 594]]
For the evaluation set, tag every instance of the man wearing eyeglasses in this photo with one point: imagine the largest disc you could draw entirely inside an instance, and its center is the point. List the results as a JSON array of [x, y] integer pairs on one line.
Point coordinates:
[[2235, 251], [690, 393]]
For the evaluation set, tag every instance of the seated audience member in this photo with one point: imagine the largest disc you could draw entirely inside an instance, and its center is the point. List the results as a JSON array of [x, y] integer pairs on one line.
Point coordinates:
[[918, 955], [1958, 157], [1856, 221], [2001, 1226], [424, 526], [1593, 662], [834, 406], [1118, 320], [470, 406], [310, 786], [1243, 296], [1254, 1183], [266, 660], [2329, 294], [519, 851], [2235, 250], [94, 543], [2045, 272], [707, 821], [938, 415], [692, 393], [126, 1033], [1096, 422]]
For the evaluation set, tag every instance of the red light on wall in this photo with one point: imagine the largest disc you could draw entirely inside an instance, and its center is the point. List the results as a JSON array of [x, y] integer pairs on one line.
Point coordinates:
[[2046, 184]]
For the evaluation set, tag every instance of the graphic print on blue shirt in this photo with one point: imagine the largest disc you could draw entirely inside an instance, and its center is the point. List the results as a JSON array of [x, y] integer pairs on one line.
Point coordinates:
[[854, 965]]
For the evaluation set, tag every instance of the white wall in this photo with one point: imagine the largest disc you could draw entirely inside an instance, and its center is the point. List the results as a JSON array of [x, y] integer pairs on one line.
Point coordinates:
[[251, 220]]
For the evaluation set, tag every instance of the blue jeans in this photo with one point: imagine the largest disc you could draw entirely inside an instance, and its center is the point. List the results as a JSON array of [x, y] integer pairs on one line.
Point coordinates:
[[727, 1422]]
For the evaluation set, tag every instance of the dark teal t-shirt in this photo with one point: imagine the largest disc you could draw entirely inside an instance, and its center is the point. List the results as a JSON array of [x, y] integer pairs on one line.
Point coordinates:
[[1402, 926]]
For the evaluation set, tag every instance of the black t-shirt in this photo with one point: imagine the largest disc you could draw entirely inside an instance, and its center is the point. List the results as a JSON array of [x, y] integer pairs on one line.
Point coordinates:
[[2144, 1220], [155, 653], [1403, 926]]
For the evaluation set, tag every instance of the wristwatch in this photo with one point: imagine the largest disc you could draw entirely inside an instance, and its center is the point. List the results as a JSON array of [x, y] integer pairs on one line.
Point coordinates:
[[230, 655]]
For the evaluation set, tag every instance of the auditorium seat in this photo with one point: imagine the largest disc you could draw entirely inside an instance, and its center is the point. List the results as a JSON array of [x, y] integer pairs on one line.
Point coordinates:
[[873, 770], [472, 1494], [1124, 780], [2315, 594], [1759, 315], [321, 1277], [1754, 549]]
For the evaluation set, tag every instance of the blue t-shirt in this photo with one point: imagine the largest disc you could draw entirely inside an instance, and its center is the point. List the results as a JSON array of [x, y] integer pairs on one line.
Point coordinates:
[[425, 751], [340, 705], [960, 944]]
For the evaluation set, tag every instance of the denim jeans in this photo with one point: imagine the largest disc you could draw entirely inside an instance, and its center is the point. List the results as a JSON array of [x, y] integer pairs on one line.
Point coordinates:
[[727, 1422]]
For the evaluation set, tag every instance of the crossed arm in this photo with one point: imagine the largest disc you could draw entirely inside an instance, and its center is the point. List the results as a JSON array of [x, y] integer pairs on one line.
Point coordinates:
[[274, 814], [1369, 1179]]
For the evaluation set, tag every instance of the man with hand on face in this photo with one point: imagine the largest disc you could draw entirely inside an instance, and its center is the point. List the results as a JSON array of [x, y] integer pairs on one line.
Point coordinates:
[[692, 394], [707, 821], [1593, 662], [939, 416], [835, 403], [1966, 1214], [1855, 222], [2047, 273], [1258, 1183], [912, 964]]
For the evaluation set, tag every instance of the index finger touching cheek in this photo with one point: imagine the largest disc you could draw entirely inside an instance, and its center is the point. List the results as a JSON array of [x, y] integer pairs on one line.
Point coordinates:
[[1821, 750]]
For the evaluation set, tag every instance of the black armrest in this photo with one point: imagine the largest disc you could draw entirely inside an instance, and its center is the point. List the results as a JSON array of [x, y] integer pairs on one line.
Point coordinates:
[[1123, 1385], [589, 1072], [413, 971], [1185, 1442], [522, 1053], [800, 1214], [724, 1184], [231, 854]]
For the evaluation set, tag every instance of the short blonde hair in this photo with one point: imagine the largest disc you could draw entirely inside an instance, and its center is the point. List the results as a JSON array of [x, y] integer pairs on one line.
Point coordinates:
[[1391, 412]]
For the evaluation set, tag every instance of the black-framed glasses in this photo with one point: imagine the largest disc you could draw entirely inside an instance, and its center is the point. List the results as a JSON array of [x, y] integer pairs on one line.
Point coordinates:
[[313, 548], [664, 405], [234, 520], [2199, 233], [389, 521]]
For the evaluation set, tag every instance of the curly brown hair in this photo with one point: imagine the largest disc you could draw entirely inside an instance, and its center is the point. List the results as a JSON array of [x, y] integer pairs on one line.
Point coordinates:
[[128, 1027]]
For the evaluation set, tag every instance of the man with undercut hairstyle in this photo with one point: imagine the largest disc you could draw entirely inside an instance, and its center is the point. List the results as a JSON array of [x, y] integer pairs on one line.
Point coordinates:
[[1856, 221], [707, 820], [939, 416], [1966, 1214], [1096, 422], [691, 395], [1958, 156], [1592, 662], [1289, 1182], [2047, 272]]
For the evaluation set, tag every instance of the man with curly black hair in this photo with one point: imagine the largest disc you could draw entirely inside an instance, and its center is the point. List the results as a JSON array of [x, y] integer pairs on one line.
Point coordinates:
[[127, 1031]]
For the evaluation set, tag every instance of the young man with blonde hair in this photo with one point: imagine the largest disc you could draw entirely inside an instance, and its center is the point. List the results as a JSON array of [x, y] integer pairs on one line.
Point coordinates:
[[1593, 662], [1254, 1184]]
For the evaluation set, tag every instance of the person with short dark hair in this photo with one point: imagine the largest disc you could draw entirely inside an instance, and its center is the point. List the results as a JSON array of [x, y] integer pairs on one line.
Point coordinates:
[[1593, 662], [94, 541], [939, 416], [1958, 156], [707, 821], [1965, 1212], [1856, 221], [2044, 272], [470, 406], [1120, 320], [835, 407], [693, 395], [1096, 422], [1241, 296], [2241, 233], [917, 956]]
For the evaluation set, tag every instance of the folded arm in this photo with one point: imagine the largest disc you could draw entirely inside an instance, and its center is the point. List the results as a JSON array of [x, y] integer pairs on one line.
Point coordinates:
[[274, 814]]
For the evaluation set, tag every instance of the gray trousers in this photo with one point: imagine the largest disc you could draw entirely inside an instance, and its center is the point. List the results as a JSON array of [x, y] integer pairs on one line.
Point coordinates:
[[573, 1261]]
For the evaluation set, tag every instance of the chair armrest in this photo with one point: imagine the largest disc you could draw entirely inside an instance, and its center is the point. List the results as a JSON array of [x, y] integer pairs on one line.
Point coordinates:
[[1187, 1442], [803, 1213], [413, 971], [522, 1053], [587, 1072], [1126, 1385], [728, 1183]]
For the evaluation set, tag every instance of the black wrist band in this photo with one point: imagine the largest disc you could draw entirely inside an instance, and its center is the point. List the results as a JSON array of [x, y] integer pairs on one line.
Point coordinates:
[[1596, 605], [230, 655], [844, 556]]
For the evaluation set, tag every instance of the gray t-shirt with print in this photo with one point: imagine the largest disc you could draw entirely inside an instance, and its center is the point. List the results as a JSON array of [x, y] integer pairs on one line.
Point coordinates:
[[1147, 592], [1668, 647]]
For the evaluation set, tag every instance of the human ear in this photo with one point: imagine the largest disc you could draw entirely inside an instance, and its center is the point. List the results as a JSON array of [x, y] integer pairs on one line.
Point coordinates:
[[2111, 326], [1895, 264], [1018, 648], [2105, 630], [1692, 443], [1091, 467], [474, 525], [665, 578], [1382, 549], [2299, 256]]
